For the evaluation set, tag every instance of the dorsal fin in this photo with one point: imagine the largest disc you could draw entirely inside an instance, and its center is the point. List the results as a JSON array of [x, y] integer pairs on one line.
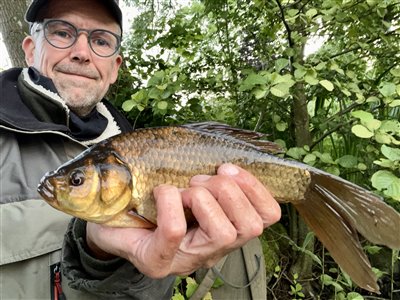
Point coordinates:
[[253, 138]]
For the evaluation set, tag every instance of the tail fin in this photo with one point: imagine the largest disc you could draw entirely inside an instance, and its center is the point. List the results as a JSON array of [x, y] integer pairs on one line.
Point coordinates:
[[335, 210]]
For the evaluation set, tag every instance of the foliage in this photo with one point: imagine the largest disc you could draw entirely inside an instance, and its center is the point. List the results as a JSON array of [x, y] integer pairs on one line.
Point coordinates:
[[248, 63]]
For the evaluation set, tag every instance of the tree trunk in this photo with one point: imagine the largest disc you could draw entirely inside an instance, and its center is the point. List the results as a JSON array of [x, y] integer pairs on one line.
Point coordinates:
[[301, 127], [14, 29]]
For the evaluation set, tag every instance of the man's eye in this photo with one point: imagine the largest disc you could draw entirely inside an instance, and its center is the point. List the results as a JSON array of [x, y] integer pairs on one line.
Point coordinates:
[[62, 34], [100, 42]]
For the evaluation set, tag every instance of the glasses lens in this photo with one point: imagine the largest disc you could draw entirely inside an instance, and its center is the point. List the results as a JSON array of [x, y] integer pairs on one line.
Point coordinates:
[[103, 43], [60, 34]]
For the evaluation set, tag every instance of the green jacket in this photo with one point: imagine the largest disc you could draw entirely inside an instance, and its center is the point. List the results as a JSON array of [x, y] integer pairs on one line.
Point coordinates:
[[37, 134]]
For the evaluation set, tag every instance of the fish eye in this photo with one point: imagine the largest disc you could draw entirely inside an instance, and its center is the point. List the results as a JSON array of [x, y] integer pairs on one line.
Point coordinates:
[[76, 178]]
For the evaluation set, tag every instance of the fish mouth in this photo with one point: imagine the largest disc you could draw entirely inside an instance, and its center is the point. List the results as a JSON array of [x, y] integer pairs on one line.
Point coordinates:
[[46, 189]]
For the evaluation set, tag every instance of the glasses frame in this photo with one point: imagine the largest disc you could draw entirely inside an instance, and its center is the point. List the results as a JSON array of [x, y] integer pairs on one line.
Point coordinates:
[[78, 31]]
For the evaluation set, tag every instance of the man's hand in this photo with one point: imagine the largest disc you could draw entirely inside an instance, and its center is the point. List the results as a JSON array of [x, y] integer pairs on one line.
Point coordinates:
[[231, 208]]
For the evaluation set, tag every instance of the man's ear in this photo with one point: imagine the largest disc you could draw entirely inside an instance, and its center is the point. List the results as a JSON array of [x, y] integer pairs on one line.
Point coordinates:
[[28, 45], [118, 62]]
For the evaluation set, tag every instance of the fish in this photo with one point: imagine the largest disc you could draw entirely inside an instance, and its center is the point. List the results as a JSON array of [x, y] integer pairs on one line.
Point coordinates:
[[111, 183]]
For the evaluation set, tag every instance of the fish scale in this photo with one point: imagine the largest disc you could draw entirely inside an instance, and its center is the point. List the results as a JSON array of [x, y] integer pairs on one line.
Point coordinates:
[[117, 177]]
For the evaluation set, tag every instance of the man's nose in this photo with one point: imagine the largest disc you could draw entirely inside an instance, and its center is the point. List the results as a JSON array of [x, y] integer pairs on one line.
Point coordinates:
[[80, 50]]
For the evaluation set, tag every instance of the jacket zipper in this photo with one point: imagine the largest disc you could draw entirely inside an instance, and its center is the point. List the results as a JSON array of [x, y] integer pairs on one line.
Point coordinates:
[[55, 283]]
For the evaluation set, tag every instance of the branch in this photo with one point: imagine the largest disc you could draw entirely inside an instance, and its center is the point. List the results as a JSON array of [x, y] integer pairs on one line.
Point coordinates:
[[385, 72], [289, 31], [329, 132]]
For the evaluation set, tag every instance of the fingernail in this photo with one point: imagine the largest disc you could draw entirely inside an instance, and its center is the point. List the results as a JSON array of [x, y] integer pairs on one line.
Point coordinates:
[[228, 169], [200, 178]]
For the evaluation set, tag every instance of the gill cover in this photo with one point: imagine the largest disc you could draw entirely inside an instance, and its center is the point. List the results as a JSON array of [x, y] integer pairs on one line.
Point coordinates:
[[94, 186]]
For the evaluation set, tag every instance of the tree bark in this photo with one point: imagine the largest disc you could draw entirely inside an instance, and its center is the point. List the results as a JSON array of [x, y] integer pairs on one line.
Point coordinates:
[[301, 128], [14, 29]]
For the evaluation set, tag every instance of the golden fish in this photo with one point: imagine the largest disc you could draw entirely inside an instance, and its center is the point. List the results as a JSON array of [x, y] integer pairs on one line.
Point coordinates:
[[112, 183]]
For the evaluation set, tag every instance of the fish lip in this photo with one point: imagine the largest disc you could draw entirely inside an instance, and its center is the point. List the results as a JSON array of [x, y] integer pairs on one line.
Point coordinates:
[[46, 189]]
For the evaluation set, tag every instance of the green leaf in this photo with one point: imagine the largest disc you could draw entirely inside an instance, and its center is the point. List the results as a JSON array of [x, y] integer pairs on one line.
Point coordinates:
[[281, 63], [281, 126], [299, 73], [395, 72], [296, 152], [128, 105], [373, 249], [311, 12], [333, 170], [388, 183], [254, 79], [372, 125], [362, 167], [309, 159], [327, 84], [162, 105], [320, 66], [311, 79], [191, 286], [361, 131], [276, 118], [280, 90], [385, 163], [259, 93], [392, 154], [387, 89], [373, 99], [348, 161], [390, 126], [218, 283], [354, 296], [362, 115], [285, 79], [383, 138], [177, 296], [292, 12], [154, 93], [326, 158], [394, 103]]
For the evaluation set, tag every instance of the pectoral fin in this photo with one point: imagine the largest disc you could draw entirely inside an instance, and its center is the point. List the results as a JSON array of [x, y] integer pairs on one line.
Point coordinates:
[[129, 219]]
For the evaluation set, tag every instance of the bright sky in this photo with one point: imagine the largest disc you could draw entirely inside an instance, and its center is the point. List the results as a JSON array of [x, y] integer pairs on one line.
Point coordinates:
[[4, 60]]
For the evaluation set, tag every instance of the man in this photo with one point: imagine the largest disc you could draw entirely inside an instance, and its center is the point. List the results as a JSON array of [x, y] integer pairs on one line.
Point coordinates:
[[52, 111]]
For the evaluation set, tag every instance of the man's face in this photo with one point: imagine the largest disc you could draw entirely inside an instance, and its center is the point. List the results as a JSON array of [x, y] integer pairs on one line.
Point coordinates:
[[81, 77]]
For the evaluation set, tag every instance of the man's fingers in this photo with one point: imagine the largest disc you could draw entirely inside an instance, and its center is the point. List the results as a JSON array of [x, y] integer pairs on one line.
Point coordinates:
[[234, 203], [262, 200], [257, 194], [215, 226], [170, 231]]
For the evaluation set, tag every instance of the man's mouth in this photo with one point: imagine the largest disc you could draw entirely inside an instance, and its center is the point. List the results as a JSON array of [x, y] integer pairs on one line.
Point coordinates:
[[77, 72], [79, 75]]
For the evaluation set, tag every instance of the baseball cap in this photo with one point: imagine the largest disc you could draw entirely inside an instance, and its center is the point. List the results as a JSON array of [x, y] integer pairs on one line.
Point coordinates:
[[36, 5]]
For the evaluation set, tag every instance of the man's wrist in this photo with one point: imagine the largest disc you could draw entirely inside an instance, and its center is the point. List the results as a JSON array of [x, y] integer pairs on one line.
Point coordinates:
[[96, 251]]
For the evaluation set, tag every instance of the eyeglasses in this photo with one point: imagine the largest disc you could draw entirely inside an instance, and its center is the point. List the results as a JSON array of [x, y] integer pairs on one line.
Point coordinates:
[[62, 35]]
